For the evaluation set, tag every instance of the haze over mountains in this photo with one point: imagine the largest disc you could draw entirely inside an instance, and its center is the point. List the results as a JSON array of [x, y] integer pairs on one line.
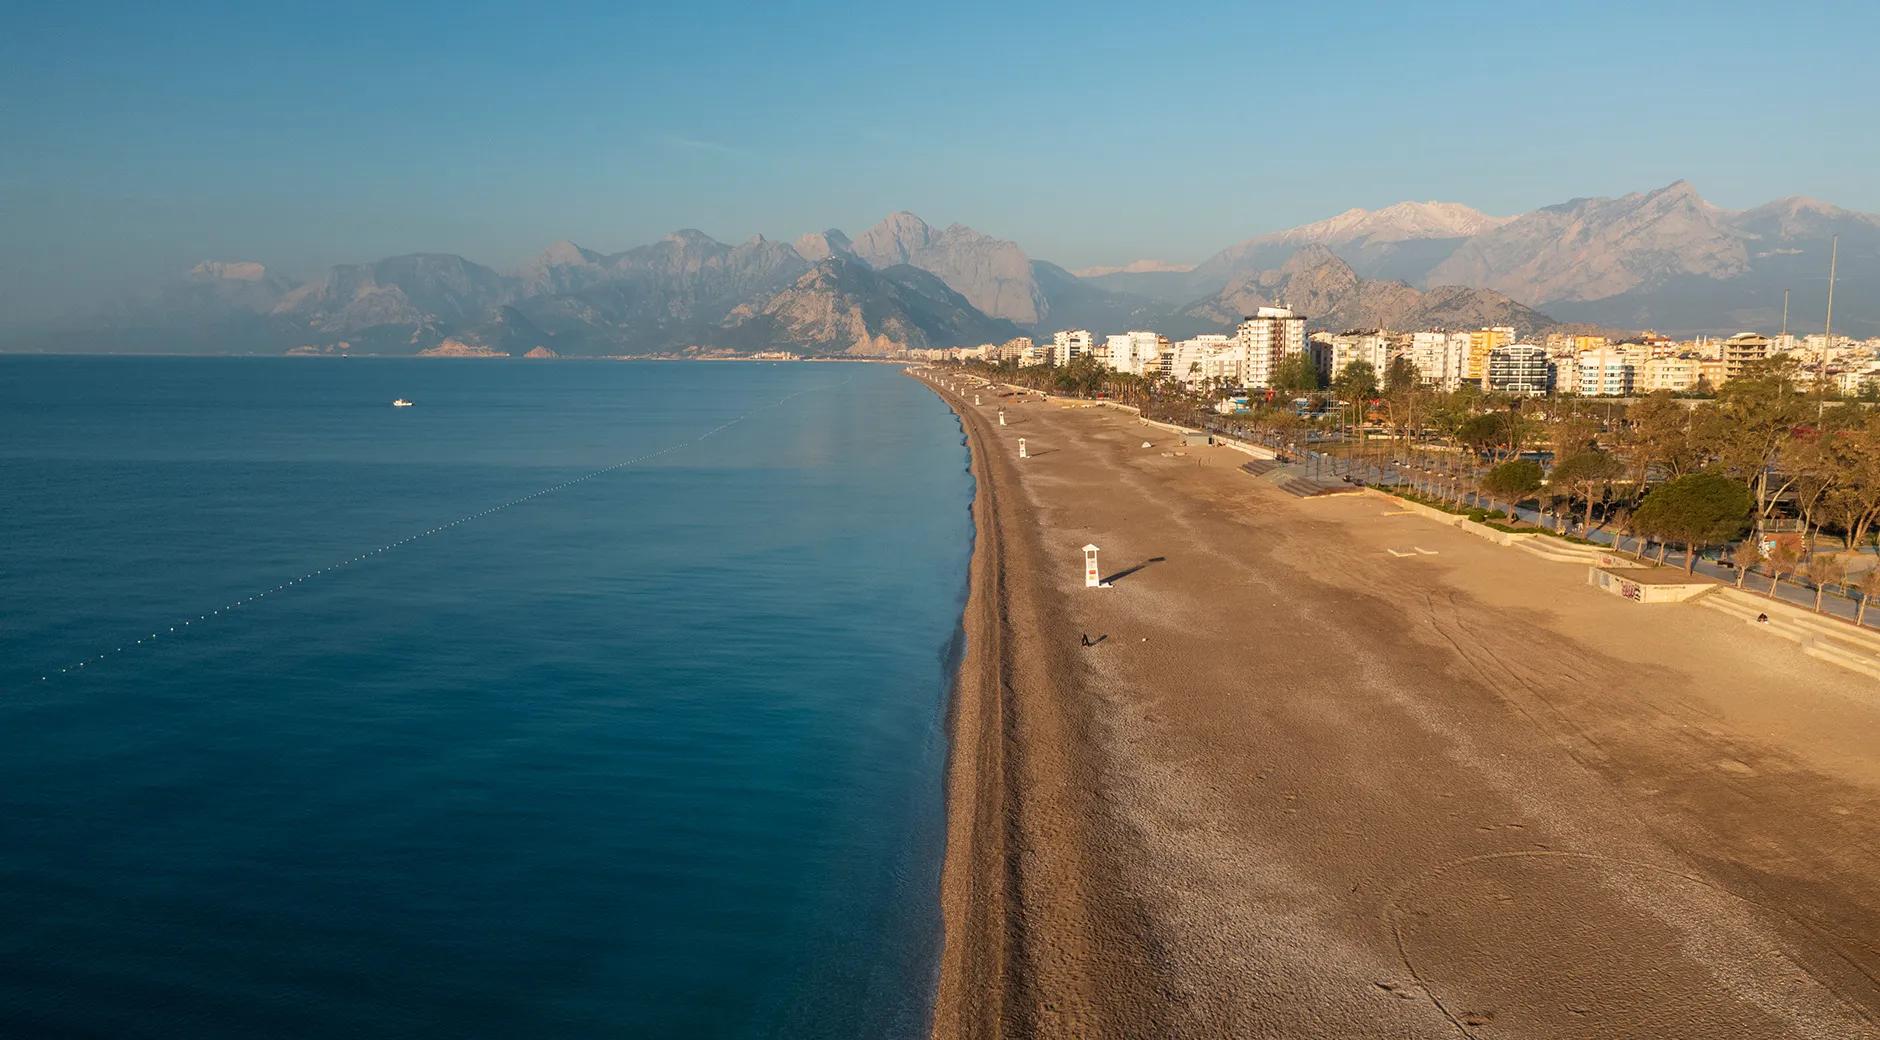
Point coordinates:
[[1665, 258]]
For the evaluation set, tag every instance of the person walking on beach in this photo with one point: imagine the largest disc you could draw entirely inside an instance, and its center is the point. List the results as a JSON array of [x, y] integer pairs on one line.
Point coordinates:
[[1085, 636]]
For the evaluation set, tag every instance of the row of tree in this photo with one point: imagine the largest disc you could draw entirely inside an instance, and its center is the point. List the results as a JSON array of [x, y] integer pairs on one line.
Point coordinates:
[[1767, 455]]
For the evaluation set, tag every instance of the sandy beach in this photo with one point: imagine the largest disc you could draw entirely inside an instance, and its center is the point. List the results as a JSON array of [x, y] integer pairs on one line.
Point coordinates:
[[1304, 786]]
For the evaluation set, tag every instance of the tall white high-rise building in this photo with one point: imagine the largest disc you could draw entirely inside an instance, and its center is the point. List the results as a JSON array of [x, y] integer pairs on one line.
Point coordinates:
[[1270, 336], [1137, 352], [1441, 358], [1068, 345]]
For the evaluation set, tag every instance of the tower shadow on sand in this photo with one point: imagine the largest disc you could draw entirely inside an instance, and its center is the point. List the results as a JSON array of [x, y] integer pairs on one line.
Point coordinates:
[[1127, 571]]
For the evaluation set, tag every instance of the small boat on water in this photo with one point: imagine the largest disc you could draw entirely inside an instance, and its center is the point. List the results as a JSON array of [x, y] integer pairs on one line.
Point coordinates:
[[401, 403]]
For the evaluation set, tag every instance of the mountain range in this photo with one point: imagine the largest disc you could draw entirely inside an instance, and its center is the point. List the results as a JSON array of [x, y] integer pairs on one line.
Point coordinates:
[[1664, 258]]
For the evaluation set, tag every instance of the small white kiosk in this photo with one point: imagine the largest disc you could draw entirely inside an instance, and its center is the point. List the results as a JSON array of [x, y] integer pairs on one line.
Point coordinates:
[[1093, 578]]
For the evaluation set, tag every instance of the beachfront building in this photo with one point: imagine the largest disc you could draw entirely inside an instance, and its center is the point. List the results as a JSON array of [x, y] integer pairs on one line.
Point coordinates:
[[1606, 372], [1012, 349], [1269, 336], [1520, 369], [1440, 357], [1565, 373], [1334, 354], [1194, 360], [1743, 350], [1861, 379], [1678, 374], [1137, 352], [1481, 342], [1067, 345], [1226, 363]]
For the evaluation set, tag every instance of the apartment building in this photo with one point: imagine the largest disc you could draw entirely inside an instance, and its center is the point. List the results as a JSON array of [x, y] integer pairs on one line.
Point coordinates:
[[1606, 372], [1269, 336], [1137, 352], [1334, 354], [1481, 342], [1677, 374], [1519, 368], [1070, 344], [1743, 350], [1440, 358]]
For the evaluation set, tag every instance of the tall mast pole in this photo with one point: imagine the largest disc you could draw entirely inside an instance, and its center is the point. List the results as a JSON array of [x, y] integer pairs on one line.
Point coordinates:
[[1828, 328], [1827, 331], [1834, 255]]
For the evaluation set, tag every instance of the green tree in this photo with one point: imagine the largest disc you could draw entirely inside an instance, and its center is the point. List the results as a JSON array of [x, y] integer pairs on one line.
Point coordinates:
[[1854, 501], [1487, 432], [1296, 375], [1586, 475], [1695, 509], [1658, 435], [1357, 382], [1752, 425], [1513, 480], [1401, 376]]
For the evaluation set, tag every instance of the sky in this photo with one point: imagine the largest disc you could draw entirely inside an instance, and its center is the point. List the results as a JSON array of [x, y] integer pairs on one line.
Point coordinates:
[[137, 139]]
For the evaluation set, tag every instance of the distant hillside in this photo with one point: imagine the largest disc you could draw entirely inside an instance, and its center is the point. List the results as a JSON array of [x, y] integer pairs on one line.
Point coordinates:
[[842, 306], [1664, 259], [1332, 296]]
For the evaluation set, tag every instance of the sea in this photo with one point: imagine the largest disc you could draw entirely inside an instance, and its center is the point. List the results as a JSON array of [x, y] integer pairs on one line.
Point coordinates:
[[578, 699]]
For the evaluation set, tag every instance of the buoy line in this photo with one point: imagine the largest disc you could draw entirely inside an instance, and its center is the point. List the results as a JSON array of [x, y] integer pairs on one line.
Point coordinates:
[[186, 623]]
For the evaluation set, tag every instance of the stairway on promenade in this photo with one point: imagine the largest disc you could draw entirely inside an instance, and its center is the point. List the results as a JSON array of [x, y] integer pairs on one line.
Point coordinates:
[[1296, 479], [1829, 639]]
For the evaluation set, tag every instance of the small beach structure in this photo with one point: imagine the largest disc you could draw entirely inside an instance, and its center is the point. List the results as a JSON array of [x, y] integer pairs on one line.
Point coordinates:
[[1649, 584], [1093, 578]]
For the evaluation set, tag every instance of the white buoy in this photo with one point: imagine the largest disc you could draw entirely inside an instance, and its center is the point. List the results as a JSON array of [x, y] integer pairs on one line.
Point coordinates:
[[1091, 578], [1021, 449]]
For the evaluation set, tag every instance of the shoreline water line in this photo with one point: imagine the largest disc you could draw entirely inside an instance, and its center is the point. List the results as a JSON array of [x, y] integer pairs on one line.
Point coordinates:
[[969, 996]]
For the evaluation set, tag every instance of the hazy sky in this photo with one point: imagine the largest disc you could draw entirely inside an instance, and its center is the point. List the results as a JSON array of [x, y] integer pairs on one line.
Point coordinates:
[[136, 139]]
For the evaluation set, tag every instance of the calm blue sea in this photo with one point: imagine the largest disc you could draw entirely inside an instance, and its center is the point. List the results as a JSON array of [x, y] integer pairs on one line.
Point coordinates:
[[656, 754]]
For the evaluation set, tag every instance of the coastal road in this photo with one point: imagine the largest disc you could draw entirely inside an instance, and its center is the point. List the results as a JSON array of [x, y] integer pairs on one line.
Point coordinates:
[[1335, 773]]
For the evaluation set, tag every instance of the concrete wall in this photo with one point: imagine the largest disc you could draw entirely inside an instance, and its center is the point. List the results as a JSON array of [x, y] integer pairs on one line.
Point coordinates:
[[1641, 592]]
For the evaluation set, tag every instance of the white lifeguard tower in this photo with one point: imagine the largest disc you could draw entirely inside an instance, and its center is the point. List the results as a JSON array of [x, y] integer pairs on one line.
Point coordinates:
[[1093, 578], [1021, 449]]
